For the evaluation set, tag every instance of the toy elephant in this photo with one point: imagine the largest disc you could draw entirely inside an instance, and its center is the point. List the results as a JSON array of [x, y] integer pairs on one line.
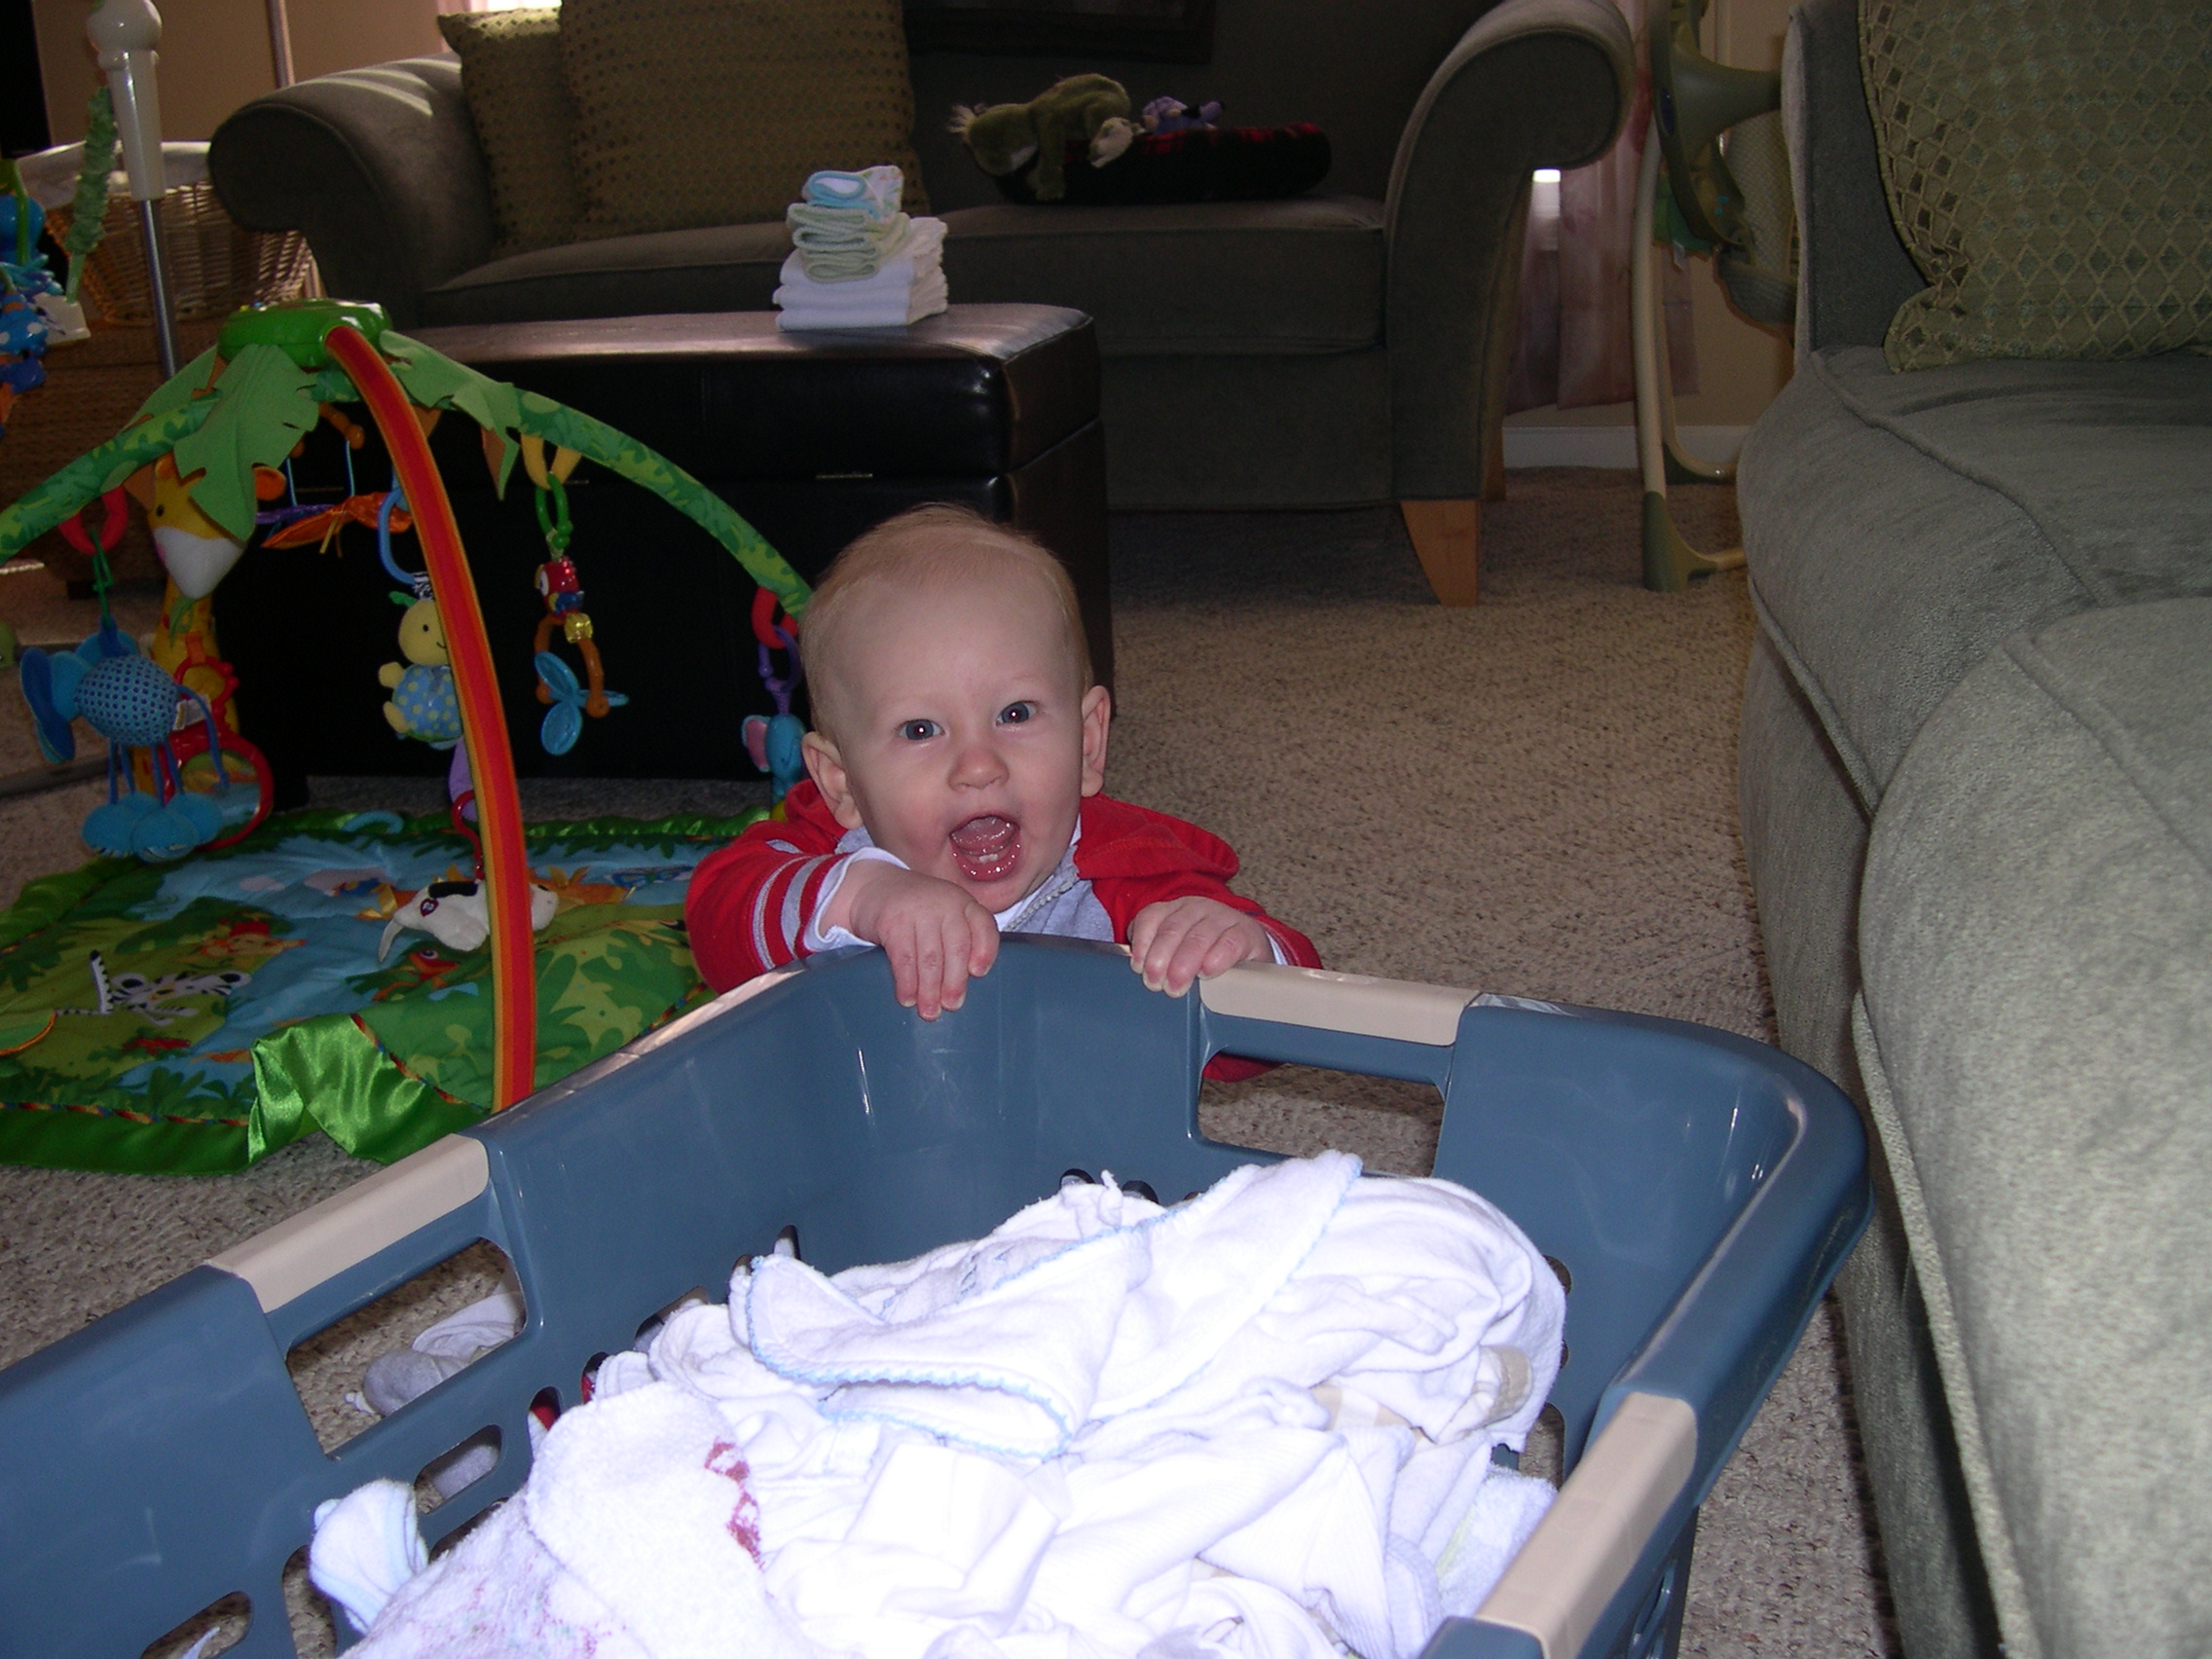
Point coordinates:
[[1088, 108]]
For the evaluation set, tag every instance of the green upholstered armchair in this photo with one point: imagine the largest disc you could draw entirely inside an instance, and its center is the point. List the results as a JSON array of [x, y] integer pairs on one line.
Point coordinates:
[[1343, 348]]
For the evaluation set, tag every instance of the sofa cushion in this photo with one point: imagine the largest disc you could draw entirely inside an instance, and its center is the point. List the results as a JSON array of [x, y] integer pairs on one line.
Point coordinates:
[[1158, 280], [2050, 169], [2036, 938], [511, 73], [718, 268], [1898, 526], [712, 112], [1233, 278]]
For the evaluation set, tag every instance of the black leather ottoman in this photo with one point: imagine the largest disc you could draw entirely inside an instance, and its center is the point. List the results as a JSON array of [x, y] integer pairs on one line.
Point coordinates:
[[813, 437]]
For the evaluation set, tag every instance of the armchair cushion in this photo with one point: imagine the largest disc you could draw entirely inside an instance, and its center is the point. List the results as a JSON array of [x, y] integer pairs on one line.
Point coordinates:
[[712, 112], [714, 268], [2051, 175], [510, 74], [1303, 274]]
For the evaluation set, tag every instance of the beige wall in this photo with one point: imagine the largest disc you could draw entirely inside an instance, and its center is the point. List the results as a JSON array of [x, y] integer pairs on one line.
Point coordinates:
[[1739, 366], [215, 52]]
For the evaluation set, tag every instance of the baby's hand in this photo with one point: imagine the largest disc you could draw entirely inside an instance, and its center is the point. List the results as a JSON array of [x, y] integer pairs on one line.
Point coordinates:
[[1180, 939], [937, 936]]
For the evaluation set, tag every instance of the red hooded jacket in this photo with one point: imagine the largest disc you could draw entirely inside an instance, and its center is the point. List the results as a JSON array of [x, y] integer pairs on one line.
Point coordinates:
[[750, 904]]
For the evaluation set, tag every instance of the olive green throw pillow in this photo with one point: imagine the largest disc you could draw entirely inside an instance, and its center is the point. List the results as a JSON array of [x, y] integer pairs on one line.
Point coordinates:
[[712, 112], [2048, 164], [511, 73]]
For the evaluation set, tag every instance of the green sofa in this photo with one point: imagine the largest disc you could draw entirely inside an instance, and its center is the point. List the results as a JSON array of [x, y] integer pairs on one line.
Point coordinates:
[[1977, 793], [1347, 347]]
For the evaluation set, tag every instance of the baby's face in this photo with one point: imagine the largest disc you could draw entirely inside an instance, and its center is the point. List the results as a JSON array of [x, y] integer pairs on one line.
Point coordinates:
[[964, 741]]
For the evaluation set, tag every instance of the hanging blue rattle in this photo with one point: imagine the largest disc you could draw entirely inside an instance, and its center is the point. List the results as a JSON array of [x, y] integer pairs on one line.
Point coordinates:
[[132, 701], [567, 698]]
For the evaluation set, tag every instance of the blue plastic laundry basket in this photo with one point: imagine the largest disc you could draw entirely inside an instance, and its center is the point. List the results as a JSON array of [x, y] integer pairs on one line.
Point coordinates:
[[1699, 1189]]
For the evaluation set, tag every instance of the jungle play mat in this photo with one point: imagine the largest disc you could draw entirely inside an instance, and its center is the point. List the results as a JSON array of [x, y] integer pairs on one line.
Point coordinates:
[[192, 1017]]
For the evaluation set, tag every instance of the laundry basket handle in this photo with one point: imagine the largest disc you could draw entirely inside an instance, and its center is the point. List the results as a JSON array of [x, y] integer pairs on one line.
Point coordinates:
[[1399, 1010], [317, 1266], [1345, 1021], [1621, 1497]]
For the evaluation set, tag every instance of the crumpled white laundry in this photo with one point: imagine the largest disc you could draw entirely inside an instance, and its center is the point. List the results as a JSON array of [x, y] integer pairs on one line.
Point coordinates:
[[402, 1375], [638, 1538], [1258, 1425], [366, 1547]]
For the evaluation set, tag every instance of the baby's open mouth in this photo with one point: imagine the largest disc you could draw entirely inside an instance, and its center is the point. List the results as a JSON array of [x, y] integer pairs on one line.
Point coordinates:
[[987, 847]]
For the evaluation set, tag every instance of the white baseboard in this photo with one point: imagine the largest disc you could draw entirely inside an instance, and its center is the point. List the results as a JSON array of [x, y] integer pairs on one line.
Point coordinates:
[[1609, 446]]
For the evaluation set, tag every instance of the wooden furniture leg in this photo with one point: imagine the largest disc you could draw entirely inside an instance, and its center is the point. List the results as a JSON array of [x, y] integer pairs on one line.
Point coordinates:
[[1494, 466], [1448, 540]]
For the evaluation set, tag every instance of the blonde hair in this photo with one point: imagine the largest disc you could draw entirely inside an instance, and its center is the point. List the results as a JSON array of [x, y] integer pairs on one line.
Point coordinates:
[[933, 546]]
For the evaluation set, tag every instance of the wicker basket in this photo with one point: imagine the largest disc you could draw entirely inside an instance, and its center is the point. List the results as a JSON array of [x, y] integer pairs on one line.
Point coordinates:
[[214, 266]]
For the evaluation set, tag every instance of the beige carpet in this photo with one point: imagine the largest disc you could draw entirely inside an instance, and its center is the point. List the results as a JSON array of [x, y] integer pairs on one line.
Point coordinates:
[[1536, 795]]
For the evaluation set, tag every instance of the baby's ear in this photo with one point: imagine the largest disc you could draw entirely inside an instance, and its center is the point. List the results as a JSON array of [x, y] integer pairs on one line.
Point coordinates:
[[1098, 719], [826, 768]]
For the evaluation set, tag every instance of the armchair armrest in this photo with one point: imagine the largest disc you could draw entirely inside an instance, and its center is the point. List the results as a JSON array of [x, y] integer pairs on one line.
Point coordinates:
[[1533, 84], [378, 166]]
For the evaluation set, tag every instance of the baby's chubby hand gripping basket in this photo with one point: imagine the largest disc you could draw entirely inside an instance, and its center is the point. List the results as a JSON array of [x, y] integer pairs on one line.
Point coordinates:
[[1699, 1190]]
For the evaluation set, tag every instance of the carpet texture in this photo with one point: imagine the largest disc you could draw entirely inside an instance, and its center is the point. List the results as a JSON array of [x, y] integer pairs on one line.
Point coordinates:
[[1536, 795]]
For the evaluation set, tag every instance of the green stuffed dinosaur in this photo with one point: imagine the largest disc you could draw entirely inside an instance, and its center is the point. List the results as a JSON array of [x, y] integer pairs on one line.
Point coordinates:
[[1090, 108]]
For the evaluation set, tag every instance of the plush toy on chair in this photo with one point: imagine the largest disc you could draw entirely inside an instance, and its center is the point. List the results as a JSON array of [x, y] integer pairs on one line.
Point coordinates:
[[1171, 153], [1089, 109]]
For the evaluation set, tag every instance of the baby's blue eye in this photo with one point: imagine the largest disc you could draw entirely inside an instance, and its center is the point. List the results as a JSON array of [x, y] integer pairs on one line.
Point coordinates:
[[1017, 713], [919, 732]]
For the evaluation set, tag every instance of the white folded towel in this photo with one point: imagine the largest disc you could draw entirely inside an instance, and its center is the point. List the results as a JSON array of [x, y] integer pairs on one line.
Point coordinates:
[[926, 298], [905, 290], [919, 254]]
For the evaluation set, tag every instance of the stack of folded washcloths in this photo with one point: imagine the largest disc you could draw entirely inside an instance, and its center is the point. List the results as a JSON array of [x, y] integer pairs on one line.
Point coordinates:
[[857, 261]]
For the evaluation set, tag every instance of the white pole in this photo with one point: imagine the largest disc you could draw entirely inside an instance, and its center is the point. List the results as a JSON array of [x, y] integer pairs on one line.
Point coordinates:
[[124, 34], [281, 42]]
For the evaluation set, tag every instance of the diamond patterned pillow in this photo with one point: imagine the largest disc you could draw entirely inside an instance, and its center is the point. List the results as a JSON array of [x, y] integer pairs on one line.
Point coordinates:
[[712, 112], [510, 74], [2048, 164]]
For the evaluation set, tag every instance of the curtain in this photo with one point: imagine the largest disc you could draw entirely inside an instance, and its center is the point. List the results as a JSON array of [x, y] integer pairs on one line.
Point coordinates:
[[1573, 344]]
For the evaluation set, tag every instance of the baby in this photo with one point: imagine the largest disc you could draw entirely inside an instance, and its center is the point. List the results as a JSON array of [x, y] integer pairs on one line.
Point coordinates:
[[955, 765]]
